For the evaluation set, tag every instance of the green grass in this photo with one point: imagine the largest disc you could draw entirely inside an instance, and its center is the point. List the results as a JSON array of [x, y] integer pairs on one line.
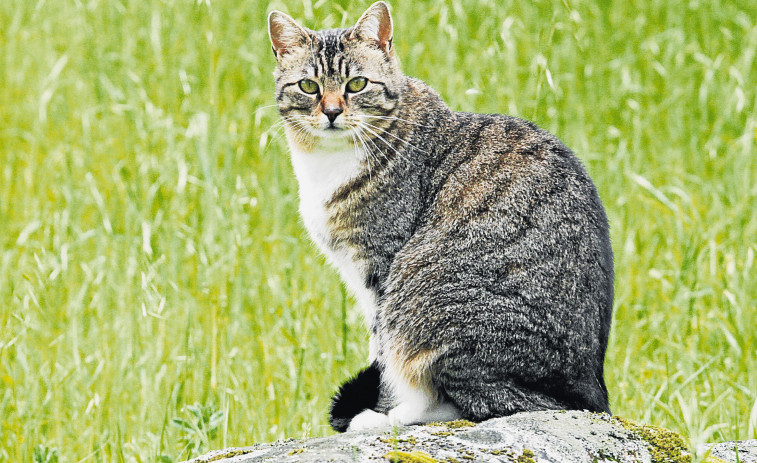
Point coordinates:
[[159, 298]]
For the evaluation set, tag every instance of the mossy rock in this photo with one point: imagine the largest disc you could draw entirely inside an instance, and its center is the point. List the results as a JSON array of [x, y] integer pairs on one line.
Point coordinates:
[[536, 437], [396, 456], [665, 446]]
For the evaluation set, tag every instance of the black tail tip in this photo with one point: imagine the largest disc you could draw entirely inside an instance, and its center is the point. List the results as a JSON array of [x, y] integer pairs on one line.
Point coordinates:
[[355, 395]]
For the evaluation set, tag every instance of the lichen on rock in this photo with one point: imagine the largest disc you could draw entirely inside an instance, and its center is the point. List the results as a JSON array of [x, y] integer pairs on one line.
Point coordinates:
[[535, 437], [665, 446], [417, 456]]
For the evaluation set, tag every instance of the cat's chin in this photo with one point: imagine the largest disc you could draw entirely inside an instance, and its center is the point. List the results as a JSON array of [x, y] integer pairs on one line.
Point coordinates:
[[332, 133], [333, 137]]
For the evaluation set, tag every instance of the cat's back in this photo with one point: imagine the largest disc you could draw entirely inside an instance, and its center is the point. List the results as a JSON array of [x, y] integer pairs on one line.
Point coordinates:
[[510, 206], [504, 169], [513, 257]]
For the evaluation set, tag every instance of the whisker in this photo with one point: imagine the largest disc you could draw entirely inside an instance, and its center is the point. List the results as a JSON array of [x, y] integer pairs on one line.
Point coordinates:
[[296, 123], [407, 143], [373, 143], [280, 133], [354, 134], [372, 149], [262, 108], [367, 116], [300, 131], [386, 142], [377, 151], [291, 119]]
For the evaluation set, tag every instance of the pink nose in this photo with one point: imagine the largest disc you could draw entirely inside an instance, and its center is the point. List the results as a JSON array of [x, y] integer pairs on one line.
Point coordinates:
[[332, 112]]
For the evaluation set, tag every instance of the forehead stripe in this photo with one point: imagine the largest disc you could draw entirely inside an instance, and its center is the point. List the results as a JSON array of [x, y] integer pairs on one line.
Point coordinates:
[[328, 52], [317, 65]]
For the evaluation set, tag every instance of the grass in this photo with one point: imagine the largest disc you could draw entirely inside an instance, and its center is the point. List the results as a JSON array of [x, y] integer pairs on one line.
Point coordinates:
[[158, 297]]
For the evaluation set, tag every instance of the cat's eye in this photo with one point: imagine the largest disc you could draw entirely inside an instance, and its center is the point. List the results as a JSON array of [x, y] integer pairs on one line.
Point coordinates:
[[356, 84], [308, 86]]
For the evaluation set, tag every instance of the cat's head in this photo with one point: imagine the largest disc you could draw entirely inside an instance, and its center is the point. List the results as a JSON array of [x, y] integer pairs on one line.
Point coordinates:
[[339, 83]]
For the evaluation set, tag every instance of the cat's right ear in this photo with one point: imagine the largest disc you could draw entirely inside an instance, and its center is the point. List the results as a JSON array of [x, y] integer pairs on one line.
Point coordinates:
[[285, 33], [375, 25]]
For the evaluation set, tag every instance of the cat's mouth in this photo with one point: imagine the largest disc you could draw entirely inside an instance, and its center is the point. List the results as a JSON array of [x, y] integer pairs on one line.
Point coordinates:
[[325, 129], [332, 130]]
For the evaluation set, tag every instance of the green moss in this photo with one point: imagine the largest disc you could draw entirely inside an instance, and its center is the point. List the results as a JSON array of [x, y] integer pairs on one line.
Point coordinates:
[[228, 453], [442, 433], [453, 424], [417, 456], [296, 451], [459, 424], [664, 446], [412, 440], [526, 457]]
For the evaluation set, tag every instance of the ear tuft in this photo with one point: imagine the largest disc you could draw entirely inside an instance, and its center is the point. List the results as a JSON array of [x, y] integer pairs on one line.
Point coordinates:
[[375, 25], [285, 33]]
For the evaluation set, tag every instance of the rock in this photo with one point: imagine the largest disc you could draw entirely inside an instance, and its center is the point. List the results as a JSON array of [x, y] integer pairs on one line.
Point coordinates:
[[726, 451], [551, 436]]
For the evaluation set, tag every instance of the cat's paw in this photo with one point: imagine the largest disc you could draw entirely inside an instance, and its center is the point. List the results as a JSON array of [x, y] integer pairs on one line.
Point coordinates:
[[368, 419], [408, 413], [405, 414]]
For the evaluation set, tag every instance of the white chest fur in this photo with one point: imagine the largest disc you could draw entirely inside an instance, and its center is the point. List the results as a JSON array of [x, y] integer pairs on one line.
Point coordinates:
[[320, 173]]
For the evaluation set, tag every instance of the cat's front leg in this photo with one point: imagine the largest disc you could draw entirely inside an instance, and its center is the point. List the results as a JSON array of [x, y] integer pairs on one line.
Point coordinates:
[[417, 401], [418, 407], [368, 419]]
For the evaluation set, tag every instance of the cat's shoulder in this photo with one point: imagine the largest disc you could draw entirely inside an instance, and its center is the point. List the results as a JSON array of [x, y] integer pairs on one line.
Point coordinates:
[[514, 137], [503, 128]]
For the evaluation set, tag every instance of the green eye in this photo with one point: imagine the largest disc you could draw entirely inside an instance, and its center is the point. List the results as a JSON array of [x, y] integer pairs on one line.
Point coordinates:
[[356, 84], [308, 86]]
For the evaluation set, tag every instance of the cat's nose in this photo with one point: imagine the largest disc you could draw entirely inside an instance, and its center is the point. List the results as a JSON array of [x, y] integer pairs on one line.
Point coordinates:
[[332, 112]]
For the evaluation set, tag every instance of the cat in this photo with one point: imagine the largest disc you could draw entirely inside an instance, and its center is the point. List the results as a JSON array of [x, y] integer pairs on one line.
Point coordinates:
[[476, 245]]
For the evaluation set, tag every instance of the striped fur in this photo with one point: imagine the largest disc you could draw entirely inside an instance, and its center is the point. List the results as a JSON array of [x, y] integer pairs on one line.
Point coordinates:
[[476, 244]]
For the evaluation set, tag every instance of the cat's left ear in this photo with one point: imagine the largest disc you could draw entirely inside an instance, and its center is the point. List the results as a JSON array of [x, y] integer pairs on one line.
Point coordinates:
[[375, 25], [285, 33]]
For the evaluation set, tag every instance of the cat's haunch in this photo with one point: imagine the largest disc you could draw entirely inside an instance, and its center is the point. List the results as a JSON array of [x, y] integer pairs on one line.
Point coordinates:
[[476, 244]]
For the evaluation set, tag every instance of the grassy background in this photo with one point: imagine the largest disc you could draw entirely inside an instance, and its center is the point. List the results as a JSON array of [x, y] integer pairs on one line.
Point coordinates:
[[159, 298]]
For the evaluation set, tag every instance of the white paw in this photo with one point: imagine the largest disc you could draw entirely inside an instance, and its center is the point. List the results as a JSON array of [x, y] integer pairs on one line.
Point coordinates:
[[405, 413], [413, 413], [368, 419]]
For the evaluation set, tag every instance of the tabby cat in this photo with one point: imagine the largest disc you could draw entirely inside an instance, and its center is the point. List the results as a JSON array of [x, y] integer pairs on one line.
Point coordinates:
[[475, 244]]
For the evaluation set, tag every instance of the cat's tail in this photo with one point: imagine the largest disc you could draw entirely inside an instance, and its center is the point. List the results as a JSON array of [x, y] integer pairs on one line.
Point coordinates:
[[355, 395]]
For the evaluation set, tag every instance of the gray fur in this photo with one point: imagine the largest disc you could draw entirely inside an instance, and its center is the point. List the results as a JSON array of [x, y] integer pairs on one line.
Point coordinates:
[[485, 240]]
